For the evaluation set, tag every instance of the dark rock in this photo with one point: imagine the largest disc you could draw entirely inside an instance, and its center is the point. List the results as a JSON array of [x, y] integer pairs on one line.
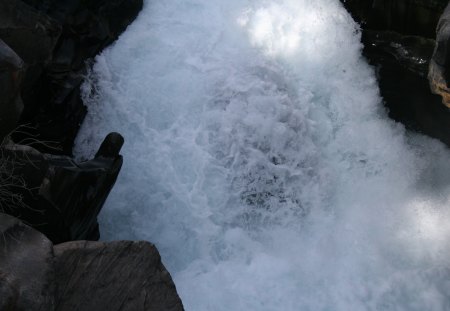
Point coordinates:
[[54, 108], [11, 71], [401, 63], [418, 17], [398, 41], [60, 197], [80, 276], [26, 268], [110, 146], [411, 52], [439, 74], [32, 36], [113, 276]]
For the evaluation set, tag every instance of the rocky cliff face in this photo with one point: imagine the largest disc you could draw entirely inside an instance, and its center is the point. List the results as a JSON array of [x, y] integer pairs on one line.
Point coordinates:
[[45, 48], [11, 72], [399, 40], [55, 39], [409, 17]]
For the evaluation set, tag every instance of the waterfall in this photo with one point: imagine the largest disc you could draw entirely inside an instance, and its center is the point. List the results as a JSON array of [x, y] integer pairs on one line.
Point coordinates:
[[260, 161]]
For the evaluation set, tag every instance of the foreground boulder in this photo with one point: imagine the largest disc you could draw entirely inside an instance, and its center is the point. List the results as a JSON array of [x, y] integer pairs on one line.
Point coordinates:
[[56, 195], [439, 74], [26, 267], [11, 71], [87, 282], [81, 276]]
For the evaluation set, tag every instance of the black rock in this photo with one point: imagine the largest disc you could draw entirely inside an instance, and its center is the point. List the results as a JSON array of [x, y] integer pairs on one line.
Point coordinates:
[[418, 17], [33, 36], [56, 195], [11, 72], [53, 106]]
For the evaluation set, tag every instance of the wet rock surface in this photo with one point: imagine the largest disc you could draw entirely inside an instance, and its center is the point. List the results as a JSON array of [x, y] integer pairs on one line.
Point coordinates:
[[417, 17], [82, 275], [439, 74], [398, 38], [59, 196], [56, 39]]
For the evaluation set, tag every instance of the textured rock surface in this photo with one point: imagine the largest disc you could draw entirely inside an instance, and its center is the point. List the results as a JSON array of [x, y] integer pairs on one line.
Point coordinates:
[[113, 276], [439, 74], [26, 267], [32, 36], [55, 39], [65, 197], [11, 70], [80, 276], [402, 67], [402, 59]]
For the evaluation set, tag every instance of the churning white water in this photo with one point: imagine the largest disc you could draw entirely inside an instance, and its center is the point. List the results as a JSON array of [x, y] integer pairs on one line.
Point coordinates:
[[260, 161]]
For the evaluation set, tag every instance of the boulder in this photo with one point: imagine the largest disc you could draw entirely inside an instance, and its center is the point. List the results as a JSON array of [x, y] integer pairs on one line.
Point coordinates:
[[27, 278], [81, 275], [11, 72], [57, 195], [439, 70], [113, 276]]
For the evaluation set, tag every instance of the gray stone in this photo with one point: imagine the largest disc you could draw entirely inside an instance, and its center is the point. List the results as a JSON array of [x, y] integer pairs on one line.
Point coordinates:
[[26, 267], [123, 275]]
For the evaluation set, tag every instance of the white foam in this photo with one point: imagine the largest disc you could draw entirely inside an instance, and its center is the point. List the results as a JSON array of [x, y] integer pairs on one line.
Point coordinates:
[[259, 160]]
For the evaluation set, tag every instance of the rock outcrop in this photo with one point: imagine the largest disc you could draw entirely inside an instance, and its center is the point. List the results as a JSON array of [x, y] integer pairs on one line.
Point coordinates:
[[82, 275], [398, 39], [56, 39], [439, 74], [418, 17], [56, 195], [11, 72]]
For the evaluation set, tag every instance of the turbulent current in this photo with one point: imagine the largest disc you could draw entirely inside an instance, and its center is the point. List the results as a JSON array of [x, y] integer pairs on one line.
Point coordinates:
[[260, 161]]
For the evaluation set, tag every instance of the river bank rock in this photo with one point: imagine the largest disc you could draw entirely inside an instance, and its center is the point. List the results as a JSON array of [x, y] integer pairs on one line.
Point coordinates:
[[401, 50], [56, 40], [82, 275], [136, 281], [26, 267], [439, 74], [11, 72], [418, 17], [56, 195]]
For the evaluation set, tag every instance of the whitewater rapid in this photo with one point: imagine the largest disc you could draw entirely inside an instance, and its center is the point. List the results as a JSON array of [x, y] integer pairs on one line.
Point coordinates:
[[260, 161]]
